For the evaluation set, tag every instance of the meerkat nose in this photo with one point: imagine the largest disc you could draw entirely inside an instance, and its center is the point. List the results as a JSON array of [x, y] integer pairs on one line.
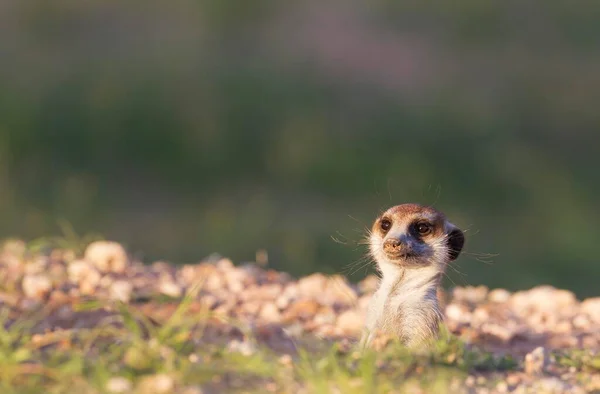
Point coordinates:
[[392, 243], [396, 243]]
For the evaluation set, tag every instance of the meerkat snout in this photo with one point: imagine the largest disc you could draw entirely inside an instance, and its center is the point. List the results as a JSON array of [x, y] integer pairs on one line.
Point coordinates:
[[397, 247], [411, 245]]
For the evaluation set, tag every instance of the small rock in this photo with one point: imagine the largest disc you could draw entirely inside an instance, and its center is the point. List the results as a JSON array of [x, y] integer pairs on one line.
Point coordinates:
[[80, 271], [118, 385], [286, 360], [369, 284], [269, 313], [329, 331], [36, 286], [268, 292], [499, 296], [275, 337], [505, 334], [214, 283], [480, 315], [553, 385], [170, 289], [164, 383], [157, 384], [323, 318], [513, 380], [190, 274], [470, 294], [283, 301], [312, 285], [244, 347], [289, 294], [470, 381], [591, 307], [350, 321], [225, 265], [107, 256], [236, 280], [250, 308], [502, 387], [339, 292], [14, 247], [303, 309], [192, 390], [121, 290], [363, 302], [36, 266], [581, 322], [458, 313], [536, 361], [543, 298]]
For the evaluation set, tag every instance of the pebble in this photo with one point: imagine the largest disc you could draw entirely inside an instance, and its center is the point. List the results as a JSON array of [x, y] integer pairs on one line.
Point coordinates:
[[170, 289], [214, 283], [324, 318], [107, 256], [369, 284], [270, 313], [225, 264], [84, 274], [504, 334], [118, 385], [312, 285], [551, 385], [192, 390], [235, 280], [536, 361], [244, 347], [470, 294], [36, 286], [121, 290], [157, 384], [542, 298], [591, 308], [499, 296], [458, 313], [338, 292], [350, 322], [303, 309]]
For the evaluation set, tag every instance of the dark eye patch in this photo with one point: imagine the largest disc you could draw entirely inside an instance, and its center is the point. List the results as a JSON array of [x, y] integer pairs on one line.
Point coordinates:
[[422, 228]]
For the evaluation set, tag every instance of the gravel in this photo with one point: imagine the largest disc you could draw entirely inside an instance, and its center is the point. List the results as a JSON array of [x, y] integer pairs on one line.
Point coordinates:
[[527, 324]]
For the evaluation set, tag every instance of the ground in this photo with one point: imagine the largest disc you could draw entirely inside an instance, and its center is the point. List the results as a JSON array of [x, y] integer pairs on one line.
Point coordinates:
[[90, 319]]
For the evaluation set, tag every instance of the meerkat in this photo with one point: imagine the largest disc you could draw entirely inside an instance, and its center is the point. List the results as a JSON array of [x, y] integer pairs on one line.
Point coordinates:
[[411, 245]]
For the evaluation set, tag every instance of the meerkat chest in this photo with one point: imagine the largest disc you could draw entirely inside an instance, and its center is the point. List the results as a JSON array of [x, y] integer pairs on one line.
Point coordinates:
[[407, 299]]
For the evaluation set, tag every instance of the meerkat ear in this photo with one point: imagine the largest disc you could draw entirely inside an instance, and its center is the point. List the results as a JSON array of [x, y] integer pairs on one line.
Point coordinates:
[[456, 241]]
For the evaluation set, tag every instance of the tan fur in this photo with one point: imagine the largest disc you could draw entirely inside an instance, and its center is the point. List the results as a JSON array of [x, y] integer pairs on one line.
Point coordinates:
[[406, 304]]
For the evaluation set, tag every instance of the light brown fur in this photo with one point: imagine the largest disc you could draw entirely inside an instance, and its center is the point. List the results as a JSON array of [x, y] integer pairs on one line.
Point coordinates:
[[411, 264]]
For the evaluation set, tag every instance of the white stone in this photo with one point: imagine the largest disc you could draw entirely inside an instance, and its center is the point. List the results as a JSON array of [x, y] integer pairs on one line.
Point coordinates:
[[118, 385], [121, 290], [36, 286], [107, 256]]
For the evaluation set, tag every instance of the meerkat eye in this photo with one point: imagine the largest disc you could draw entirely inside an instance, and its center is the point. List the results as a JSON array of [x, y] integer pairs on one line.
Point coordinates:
[[423, 228], [385, 224]]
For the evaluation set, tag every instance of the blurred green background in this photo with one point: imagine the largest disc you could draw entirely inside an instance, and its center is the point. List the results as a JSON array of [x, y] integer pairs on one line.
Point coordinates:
[[185, 128]]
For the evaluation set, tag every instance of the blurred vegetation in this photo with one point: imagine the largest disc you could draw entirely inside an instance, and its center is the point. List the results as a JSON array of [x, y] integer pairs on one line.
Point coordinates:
[[187, 128]]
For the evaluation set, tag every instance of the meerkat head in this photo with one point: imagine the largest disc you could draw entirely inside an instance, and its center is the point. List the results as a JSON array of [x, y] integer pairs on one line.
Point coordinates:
[[412, 236]]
